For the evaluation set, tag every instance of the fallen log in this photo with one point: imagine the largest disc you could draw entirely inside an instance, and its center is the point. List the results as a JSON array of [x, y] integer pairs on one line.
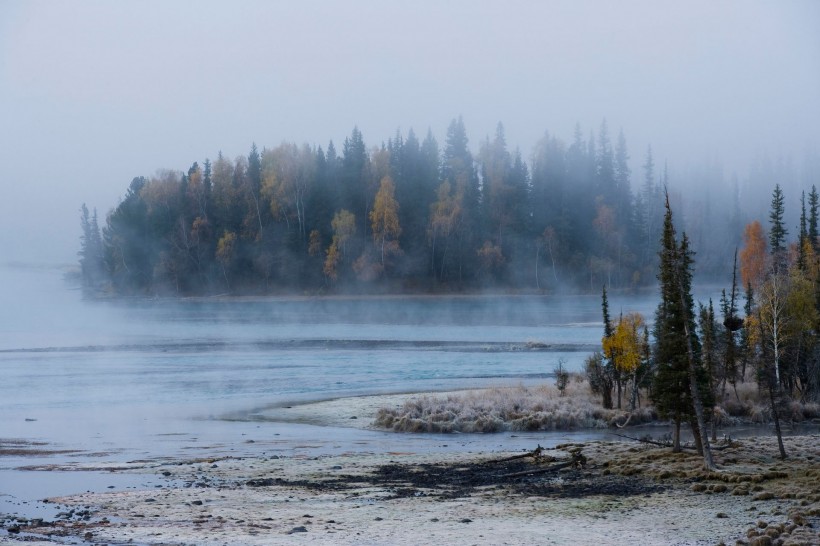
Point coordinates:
[[665, 444], [535, 454], [536, 471], [648, 441], [577, 460]]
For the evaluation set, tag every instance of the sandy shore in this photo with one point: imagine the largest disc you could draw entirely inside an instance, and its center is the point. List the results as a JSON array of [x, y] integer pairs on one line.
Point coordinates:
[[591, 493]]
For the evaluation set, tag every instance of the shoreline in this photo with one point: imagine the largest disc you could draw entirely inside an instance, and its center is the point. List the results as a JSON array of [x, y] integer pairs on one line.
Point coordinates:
[[625, 492], [359, 412]]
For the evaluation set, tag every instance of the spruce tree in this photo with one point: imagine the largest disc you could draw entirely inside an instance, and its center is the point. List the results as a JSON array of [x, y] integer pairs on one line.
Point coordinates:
[[778, 231], [605, 372], [670, 378], [91, 251], [254, 184], [680, 384], [804, 234], [814, 201]]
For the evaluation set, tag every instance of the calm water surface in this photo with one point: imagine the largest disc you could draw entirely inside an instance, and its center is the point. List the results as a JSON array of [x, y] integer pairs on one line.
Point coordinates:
[[127, 380]]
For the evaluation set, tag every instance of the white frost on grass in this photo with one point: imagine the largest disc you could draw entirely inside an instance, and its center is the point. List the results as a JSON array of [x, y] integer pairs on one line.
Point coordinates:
[[510, 408]]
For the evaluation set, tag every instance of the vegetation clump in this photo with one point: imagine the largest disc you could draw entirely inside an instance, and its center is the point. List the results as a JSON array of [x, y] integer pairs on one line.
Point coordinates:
[[505, 409]]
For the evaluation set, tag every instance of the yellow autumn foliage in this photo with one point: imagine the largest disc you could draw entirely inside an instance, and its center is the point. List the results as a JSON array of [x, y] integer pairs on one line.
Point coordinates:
[[625, 346]]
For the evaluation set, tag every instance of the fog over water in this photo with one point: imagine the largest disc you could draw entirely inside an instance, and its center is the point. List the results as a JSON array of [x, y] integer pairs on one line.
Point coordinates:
[[93, 93], [150, 378], [66, 360]]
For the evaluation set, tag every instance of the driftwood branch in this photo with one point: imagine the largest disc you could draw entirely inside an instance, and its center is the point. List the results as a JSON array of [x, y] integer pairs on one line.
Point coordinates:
[[628, 419], [535, 453], [577, 460], [648, 441], [665, 444], [535, 471]]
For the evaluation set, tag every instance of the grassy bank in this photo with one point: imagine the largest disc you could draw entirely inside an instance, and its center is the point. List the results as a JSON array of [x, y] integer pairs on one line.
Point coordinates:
[[545, 408]]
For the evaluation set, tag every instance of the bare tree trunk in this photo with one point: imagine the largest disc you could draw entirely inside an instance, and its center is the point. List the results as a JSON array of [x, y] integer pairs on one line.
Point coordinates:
[[697, 435], [703, 434], [772, 388], [698, 405], [552, 260], [676, 436], [258, 212]]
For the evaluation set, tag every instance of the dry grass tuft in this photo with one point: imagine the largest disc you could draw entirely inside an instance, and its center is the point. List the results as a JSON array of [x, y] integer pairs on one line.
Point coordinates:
[[749, 405], [544, 408], [512, 408]]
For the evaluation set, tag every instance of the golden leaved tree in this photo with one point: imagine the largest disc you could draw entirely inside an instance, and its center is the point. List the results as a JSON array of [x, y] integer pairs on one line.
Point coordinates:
[[344, 228], [384, 220], [753, 256], [626, 348]]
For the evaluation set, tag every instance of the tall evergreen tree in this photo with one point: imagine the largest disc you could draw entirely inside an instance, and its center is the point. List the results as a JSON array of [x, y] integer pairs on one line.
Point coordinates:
[[605, 166], [519, 188], [804, 234], [127, 240], [91, 250], [622, 176], [457, 167], [814, 202], [253, 177], [777, 231], [653, 205], [603, 373], [207, 184], [709, 350], [354, 176], [495, 164], [680, 384]]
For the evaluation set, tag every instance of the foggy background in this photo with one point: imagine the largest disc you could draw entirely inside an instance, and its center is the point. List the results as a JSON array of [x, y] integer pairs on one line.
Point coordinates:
[[94, 93]]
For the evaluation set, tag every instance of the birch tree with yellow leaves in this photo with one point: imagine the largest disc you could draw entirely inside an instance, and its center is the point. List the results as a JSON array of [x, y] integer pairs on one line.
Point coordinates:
[[627, 349], [384, 220]]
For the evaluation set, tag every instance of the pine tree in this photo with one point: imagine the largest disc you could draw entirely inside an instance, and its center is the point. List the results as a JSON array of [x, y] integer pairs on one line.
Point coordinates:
[[814, 201], [709, 353], [91, 251], [680, 384], [254, 184], [458, 169], [354, 174], [804, 234], [778, 231], [605, 373], [622, 175]]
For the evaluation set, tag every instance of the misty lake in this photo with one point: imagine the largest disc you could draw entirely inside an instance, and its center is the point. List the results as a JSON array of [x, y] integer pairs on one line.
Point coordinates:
[[125, 380]]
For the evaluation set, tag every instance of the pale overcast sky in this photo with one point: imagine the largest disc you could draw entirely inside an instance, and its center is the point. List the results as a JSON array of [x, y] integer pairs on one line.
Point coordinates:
[[93, 93]]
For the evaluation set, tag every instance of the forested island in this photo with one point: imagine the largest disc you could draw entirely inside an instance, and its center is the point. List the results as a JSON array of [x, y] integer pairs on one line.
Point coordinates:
[[406, 216]]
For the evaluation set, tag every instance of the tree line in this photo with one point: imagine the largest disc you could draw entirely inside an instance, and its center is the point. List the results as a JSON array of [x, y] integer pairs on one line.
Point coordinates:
[[403, 216], [695, 359]]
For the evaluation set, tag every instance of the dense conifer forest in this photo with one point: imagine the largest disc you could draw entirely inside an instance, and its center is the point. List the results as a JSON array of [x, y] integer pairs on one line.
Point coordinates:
[[409, 215]]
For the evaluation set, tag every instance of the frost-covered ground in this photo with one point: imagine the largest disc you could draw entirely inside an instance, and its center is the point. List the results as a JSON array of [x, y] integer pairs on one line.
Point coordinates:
[[626, 493]]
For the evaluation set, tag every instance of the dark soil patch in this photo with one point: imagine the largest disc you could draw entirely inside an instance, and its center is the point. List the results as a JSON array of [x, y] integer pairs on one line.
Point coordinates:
[[523, 476]]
